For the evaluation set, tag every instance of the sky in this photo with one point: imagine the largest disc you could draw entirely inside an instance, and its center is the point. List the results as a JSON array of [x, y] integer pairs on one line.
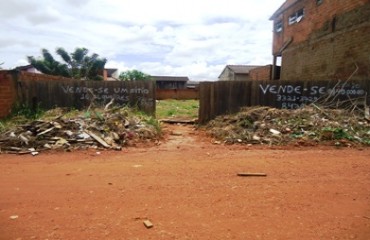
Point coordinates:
[[194, 38]]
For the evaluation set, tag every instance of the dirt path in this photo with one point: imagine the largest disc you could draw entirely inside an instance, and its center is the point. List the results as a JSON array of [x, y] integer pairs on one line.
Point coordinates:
[[188, 188]]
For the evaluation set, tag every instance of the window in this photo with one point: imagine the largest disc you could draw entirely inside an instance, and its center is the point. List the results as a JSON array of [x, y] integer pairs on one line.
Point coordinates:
[[296, 17], [318, 2], [279, 26]]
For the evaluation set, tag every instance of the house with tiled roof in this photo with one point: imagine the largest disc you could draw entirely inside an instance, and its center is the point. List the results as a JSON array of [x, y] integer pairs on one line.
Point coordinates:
[[236, 72]]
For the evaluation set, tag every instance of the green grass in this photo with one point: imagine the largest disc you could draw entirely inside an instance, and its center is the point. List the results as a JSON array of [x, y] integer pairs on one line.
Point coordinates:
[[20, 114], [187, 109]]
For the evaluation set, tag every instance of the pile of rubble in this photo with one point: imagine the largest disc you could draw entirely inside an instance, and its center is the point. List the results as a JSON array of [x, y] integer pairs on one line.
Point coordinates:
[[60, 129], [308, 125]]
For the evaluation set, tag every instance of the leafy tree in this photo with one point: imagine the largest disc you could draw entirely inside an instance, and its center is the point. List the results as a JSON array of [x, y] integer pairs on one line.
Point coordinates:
[[77, 64], [0, 65], [133, 75]]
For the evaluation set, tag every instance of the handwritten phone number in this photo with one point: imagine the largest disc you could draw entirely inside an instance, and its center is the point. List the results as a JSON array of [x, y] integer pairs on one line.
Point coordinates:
[[290, 98]]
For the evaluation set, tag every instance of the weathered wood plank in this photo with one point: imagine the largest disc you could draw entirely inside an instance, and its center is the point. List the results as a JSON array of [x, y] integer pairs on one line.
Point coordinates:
[[50, 93]]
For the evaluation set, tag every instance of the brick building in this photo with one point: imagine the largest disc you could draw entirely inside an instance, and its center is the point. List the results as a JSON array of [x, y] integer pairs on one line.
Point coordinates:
[[7, 93], [261, 73], [322, 39], [170, 82]]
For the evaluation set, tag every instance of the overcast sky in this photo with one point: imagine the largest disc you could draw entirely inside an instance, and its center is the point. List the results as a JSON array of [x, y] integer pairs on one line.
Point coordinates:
[[194, 38]]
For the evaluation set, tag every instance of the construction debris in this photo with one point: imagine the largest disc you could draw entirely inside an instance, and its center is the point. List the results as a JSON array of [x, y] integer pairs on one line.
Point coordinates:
[[57, 129], [13, 217], [247, 174], [309, 125], [148, 224]]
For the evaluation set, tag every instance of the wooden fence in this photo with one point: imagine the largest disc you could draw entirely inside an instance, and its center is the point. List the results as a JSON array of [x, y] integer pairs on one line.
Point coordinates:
[[223, 97], [49, 93]]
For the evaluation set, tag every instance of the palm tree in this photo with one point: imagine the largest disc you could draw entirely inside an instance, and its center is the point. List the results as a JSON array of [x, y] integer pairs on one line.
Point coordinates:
[[76, 65], [49, 65]]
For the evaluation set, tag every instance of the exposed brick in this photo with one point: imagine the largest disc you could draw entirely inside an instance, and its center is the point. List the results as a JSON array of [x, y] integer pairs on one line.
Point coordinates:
[[261, 73], [327, 43], [7, 93], [180, 94]]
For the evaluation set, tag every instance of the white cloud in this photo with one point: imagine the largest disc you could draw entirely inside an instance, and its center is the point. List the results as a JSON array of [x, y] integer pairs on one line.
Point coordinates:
[[47, 16], [163, 37]]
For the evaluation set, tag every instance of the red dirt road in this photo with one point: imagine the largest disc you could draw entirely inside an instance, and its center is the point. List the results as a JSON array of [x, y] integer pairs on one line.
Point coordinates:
[[188, 188]]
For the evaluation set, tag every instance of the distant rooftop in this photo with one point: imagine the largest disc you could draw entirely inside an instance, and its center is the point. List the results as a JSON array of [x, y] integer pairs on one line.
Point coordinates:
[[171, 78], [111, 71], [241, 69], [26, 67]]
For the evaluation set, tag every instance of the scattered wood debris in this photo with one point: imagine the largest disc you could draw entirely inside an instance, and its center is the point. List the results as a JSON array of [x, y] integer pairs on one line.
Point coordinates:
[[110, 129], [179, 121]]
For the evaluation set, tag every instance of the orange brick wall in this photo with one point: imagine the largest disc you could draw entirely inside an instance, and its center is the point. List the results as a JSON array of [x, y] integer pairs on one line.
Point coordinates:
[[7, 93], [261, 73], [333, 58], [179, 94], [8, 87], [328, 43], [316, 17]]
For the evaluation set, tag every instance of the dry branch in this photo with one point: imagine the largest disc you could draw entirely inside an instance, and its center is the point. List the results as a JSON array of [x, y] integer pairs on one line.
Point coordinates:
[[247, 174]]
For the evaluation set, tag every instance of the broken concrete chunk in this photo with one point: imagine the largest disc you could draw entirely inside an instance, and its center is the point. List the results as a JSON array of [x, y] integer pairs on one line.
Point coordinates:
[[256, 138], [46, 145], [148, 224], [34, 153], [13, 217], [274, 132], [83, 135], [69, 133]]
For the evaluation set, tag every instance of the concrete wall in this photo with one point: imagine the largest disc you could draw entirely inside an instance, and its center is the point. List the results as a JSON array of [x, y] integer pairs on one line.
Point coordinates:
[[226, 75], [229, 75]]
